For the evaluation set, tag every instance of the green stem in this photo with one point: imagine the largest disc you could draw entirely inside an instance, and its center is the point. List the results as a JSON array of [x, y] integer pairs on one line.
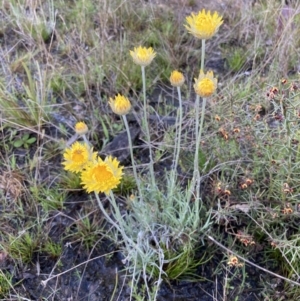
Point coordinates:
[[196, 173], [129, 243], [108, 218], [196, 159], [147, 128], [177, 141], [199, 130], [198, 134], [86, 140], [287, 118], [202, 54], [198, 142], [131, 155]]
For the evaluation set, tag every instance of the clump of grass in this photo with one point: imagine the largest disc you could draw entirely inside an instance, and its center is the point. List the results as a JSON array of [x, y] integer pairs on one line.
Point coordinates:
[[6, 283], [33, 24], [236, 59], [49, 198], [52, 249], [87, 230], [70, 181], [30, 108], [22, 247]]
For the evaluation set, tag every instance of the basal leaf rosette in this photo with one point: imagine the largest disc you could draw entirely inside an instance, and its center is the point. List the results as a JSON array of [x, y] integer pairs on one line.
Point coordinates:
[[102, 175], [77, 157], [203, 25]]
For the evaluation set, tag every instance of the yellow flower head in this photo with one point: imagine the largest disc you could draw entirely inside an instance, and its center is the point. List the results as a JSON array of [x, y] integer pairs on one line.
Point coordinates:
[[102, 176], [205, 85], [176, 78], [77, 156], [81, 128], [204, 24], [120, 105], [142, 56]]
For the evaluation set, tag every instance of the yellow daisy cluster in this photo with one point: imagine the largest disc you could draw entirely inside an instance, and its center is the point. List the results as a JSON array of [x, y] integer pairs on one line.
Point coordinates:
[[203, 25], [96, 174], [103, 175], [205, 85]]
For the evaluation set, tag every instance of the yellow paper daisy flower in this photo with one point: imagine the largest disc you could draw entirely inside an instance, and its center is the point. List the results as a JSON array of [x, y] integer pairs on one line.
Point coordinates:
[[142, 56], [176, 78], [77, 156], [205, 85], [81, 128], [203, 25], [102, 176], [120, 105]]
